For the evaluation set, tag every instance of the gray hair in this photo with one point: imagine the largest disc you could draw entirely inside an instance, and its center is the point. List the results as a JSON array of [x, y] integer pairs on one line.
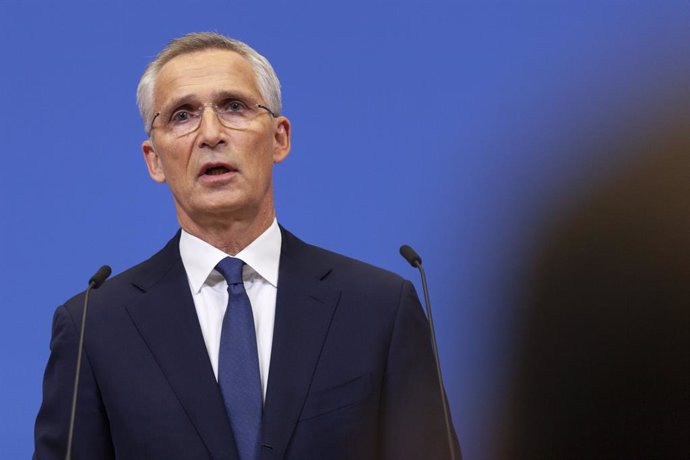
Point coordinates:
[[266, 78]]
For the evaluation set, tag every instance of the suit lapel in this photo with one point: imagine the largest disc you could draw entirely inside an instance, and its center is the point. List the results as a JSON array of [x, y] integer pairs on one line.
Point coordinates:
[[167, 321], [304, 309]]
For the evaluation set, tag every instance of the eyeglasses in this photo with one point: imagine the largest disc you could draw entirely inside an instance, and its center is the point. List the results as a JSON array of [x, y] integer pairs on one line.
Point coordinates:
[[233, 114]]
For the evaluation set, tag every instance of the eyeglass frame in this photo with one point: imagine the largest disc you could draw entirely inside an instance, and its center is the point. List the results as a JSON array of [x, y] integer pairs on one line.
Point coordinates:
[[214, 106]]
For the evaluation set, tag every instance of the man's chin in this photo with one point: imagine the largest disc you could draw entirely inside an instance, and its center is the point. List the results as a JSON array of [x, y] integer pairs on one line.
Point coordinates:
[[218, 210]]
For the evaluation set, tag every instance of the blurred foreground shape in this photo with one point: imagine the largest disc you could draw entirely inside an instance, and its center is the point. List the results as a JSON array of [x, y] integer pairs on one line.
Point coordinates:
[[602, 362]]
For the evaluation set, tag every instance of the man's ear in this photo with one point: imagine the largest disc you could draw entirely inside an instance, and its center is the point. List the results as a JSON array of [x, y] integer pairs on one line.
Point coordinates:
[[281, 139], [153, 161]]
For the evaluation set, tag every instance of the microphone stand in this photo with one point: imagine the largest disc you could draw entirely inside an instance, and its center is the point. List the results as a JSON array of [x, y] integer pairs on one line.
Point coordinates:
[[413, 258], [94, 283]]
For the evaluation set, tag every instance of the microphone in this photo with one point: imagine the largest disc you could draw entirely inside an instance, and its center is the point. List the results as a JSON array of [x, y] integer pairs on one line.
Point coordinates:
[[413, 258], [94, 283], [100, 276]]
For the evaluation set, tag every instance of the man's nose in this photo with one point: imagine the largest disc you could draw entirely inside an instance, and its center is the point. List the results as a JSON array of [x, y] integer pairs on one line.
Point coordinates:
[[211, 131]]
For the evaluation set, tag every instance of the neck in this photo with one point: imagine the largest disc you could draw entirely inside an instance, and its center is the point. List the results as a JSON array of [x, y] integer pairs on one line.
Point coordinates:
[[229, 234]]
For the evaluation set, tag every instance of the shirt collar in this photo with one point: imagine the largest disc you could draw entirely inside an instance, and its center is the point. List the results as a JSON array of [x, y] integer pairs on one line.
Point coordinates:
[[261, 256]]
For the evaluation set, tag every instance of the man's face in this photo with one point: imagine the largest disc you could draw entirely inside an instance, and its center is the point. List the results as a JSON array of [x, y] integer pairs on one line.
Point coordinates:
[[215, 173]]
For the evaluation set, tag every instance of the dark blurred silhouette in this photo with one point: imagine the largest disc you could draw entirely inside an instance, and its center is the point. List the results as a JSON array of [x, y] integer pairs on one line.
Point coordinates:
[[602, 362]]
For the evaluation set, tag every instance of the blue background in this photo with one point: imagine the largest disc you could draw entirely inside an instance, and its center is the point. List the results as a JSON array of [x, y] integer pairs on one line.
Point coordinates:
[[461, 128]]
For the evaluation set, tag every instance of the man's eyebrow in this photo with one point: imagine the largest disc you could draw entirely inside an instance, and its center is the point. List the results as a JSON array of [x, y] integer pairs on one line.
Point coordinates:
[[178, 101], [230, 94], [221, 95]]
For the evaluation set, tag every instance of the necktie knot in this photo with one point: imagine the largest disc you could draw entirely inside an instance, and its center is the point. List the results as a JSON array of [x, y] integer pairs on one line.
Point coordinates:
[[231, 269]]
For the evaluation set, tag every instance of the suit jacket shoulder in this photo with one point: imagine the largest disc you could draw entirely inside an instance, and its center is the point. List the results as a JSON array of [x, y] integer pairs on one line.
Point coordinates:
[[346, 271], [135, 279]]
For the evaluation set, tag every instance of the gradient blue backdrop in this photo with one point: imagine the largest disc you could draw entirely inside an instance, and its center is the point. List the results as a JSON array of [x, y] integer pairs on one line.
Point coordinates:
[[461, 128]]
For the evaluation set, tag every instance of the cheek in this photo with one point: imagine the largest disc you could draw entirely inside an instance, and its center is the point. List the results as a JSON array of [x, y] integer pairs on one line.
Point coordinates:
[[264, 164], [175, 164], [259, 156]]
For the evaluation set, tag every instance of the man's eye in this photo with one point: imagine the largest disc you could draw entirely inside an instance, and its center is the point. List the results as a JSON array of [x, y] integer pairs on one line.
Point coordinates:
[[180, 116], [234, 106]]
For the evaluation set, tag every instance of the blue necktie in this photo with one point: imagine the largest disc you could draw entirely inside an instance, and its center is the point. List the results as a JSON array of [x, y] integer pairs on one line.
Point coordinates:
[[238, 363]]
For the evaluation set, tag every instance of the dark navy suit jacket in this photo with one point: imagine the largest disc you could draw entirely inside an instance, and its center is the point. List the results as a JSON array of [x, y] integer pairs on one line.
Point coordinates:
[[351, 374]]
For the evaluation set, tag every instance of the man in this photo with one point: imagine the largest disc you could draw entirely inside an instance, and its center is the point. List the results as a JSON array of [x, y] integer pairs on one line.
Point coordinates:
[[335, 359]]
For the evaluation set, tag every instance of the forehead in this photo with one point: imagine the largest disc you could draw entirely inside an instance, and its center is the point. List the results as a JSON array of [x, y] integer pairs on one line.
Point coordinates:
[[203, 73]]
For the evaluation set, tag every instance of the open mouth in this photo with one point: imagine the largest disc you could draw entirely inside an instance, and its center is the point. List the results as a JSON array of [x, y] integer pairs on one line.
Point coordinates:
[[217, 170]]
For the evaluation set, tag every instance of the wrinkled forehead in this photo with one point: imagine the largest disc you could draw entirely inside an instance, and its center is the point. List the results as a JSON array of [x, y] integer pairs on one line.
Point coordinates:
[[201, 75]]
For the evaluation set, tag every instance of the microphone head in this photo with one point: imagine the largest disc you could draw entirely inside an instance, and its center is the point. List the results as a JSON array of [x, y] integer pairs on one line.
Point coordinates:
[[410, 255], [100, 276]]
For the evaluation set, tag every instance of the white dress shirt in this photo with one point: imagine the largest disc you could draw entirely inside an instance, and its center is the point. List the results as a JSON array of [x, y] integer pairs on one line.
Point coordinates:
[[209, 290]]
